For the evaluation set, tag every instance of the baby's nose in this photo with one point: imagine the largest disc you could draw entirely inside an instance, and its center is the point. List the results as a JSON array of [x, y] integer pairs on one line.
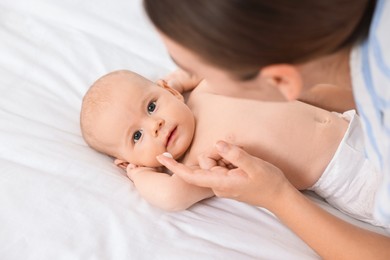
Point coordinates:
[[158, 124]]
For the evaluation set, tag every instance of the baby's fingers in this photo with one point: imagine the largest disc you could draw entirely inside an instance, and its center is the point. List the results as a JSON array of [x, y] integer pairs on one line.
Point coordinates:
[[131, 170], [209, 159]]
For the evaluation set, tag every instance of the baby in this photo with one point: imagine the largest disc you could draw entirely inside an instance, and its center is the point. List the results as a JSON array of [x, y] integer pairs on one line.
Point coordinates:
[[133, 120]]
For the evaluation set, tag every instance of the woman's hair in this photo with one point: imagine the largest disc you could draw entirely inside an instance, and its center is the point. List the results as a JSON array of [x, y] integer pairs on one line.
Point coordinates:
[[245, 35]]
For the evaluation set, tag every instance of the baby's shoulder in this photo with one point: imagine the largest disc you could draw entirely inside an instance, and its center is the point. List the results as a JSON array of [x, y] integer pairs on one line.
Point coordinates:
[[200, 95]]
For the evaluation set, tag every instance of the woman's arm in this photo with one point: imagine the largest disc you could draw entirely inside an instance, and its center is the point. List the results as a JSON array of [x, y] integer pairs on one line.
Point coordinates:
[[329, 236], [330, 97], [259, 183], [164, 191]]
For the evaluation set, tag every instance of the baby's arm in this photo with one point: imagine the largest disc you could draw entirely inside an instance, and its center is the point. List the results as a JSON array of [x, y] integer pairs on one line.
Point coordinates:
[[168, 192], [182, 81]]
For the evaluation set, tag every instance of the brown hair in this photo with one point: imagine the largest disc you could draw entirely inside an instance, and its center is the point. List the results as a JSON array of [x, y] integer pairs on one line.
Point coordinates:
[[245, 35]]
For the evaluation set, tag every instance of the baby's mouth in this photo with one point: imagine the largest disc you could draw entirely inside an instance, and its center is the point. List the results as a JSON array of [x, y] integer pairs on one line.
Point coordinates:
[[169, 137]]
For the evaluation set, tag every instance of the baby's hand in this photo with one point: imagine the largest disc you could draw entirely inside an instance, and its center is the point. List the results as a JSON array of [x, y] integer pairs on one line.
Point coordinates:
[[133, 169], [181, 81]]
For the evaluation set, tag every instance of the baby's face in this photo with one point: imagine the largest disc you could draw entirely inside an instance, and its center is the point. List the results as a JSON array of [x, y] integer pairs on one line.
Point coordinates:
[[145, 120]]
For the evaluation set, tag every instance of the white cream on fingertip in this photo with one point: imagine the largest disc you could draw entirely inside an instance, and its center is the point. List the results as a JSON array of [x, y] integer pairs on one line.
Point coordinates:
[[166, 154]]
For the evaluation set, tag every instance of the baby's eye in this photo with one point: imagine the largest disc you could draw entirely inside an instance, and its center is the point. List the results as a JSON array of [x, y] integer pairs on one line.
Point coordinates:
[[136, 136], [151, 107]]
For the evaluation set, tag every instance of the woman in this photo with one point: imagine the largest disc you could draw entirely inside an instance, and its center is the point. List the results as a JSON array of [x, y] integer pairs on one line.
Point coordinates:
[[278, 50]]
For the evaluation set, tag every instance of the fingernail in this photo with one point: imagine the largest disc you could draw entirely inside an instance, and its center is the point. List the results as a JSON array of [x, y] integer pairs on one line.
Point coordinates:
[[166, 154], [221, 146]]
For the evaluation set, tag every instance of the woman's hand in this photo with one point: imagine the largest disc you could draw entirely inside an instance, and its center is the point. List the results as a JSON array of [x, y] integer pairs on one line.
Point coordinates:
[[259, 183], [232, 173]]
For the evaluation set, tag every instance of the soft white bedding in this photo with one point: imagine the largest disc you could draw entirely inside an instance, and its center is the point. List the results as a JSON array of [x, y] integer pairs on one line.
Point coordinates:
[[59, 199]]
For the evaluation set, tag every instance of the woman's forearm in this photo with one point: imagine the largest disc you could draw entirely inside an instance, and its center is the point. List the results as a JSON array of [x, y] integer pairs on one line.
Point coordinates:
[[259, 183], [329, 236]]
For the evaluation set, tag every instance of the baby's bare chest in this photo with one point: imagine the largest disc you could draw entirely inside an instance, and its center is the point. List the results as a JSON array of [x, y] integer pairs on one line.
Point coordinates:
[[251, 125]]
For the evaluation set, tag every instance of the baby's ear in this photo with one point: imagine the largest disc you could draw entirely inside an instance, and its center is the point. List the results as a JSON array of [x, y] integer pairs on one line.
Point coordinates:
[[162, 83], [121, 164]]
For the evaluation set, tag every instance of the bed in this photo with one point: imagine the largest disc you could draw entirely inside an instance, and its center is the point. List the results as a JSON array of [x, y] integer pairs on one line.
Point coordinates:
[[59, 199]]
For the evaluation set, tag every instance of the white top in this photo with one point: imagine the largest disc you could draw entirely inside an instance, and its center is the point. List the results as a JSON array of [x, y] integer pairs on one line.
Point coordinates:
[[370, 72]]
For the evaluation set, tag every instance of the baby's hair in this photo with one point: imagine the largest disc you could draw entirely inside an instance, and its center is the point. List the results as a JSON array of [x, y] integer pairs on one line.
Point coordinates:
[[95, 101]]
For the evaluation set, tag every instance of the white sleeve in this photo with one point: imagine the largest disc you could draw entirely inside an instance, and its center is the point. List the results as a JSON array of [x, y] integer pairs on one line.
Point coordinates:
[[370, 73]]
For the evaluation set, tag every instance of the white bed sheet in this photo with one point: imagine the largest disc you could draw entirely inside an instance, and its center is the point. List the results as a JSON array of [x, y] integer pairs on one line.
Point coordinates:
[[61, 200]]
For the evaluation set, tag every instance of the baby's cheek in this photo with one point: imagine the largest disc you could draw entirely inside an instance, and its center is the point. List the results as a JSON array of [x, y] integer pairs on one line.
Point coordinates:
[[150, 159]]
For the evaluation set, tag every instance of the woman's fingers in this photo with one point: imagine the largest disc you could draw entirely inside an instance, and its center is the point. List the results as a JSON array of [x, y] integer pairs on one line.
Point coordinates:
[[209, 159], [248, 179], [234, 155], [253, 181]]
